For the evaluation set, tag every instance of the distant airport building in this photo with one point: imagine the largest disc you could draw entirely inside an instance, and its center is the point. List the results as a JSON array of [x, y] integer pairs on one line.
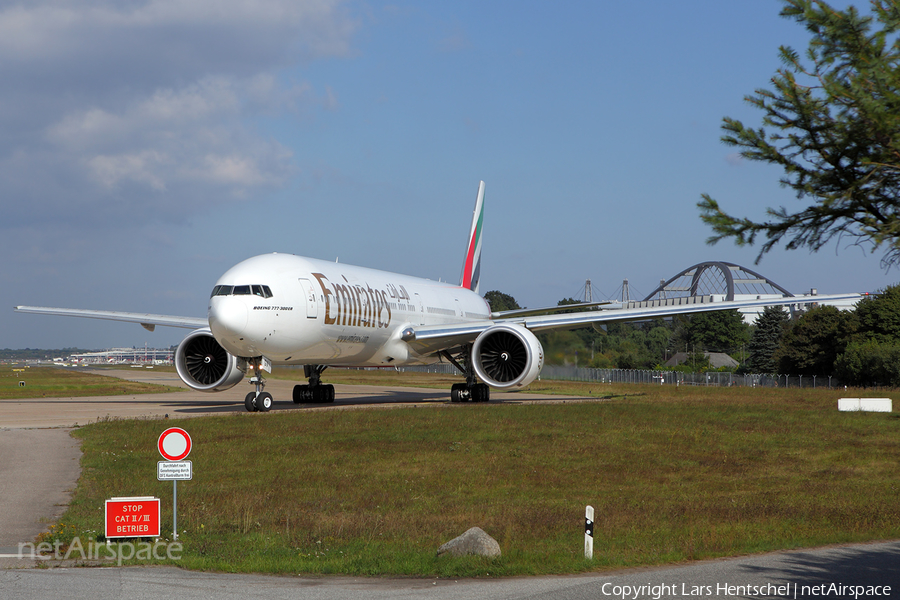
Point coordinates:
[[125, 356]]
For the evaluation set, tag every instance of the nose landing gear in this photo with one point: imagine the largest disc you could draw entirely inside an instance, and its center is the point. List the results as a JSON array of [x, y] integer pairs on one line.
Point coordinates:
[[259, 400]]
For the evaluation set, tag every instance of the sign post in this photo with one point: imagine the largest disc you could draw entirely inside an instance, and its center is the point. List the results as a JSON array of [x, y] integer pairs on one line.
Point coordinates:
[[174, 445]]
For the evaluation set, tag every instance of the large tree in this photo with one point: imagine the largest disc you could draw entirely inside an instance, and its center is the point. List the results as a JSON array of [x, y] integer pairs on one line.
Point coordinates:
[[873, 357], [717, 331], [812, 344], [832, 123], [768, 330], [500, 301], [879, 315], [870, 362]]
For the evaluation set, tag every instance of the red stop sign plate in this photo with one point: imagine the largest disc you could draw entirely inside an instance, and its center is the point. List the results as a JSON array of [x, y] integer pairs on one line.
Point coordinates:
[[132, 517]]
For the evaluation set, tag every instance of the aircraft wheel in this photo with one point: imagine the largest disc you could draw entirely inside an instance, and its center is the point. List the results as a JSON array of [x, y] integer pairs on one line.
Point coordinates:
[[319, 394], [301, 394], [481, 392], [264, 402], [329, 393], [457, 392], [250, 402]]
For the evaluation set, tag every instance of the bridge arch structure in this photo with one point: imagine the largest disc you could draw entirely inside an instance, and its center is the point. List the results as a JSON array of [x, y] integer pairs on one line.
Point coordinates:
[[726, 280]]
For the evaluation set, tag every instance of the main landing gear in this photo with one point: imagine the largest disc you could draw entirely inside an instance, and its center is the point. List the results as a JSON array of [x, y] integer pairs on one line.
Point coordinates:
[[259, 400], [316, 391], [470, 391]]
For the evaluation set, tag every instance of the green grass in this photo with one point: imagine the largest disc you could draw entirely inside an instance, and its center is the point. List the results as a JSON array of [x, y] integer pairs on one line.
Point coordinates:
[[674, 474], [54, 382]]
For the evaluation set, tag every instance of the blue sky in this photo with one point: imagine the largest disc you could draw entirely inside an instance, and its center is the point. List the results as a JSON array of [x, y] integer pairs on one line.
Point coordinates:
[[146, 147]]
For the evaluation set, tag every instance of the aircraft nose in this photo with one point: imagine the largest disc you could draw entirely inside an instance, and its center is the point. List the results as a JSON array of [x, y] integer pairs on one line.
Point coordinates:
[[227, 318]]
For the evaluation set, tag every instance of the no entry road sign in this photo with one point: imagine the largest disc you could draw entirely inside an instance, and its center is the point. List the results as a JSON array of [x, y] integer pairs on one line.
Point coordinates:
[[174, 444]]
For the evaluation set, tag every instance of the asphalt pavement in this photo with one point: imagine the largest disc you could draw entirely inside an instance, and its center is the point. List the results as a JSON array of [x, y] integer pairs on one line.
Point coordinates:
[[859, 571]]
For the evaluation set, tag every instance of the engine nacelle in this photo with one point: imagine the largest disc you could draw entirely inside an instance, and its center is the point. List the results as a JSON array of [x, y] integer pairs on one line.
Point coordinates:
[[507, 356], [205, 366]]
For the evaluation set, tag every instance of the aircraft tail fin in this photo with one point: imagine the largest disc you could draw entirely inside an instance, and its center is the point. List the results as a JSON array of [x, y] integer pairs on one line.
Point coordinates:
[[471, 272]]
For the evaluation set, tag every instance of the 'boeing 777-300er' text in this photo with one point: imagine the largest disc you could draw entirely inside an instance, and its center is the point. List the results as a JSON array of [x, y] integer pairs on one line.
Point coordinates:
[[281, 309]]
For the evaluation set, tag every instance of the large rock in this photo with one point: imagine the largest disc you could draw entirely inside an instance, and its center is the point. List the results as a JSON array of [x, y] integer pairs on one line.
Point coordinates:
[[474, 541]]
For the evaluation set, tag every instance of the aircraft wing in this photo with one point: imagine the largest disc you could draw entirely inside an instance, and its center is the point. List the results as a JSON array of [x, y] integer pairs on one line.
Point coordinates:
[[146, 320], [426, 339], [527, 312], [640, 311]]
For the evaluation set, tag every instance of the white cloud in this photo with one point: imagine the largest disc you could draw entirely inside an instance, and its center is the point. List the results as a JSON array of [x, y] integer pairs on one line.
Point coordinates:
[[145, 167], [85, 128], [148, 107], [210, 97], [190, 135], [215, 31], [235, 169]]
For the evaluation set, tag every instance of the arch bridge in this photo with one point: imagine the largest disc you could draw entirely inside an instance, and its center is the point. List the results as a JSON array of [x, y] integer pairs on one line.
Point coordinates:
[[722, 279]]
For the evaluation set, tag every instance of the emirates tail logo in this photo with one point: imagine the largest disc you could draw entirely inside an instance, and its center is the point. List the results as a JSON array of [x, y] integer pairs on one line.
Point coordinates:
[[472, 267]]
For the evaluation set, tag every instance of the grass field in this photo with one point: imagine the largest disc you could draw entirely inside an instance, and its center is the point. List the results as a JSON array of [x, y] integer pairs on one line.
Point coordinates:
[[53, 382], [674, 474]]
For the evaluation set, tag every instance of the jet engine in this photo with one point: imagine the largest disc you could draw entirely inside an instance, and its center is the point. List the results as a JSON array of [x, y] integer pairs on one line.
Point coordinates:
[[507, 356], [205, 365]]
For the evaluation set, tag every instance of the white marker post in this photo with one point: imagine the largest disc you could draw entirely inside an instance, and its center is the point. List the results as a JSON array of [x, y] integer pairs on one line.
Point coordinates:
[[589, 532]]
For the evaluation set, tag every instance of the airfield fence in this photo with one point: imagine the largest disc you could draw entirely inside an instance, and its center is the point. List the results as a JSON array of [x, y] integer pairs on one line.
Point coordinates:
[[710, 378]]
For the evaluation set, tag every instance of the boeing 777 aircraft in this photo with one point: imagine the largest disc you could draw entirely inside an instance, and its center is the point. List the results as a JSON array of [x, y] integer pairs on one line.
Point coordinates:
[[281, 309]]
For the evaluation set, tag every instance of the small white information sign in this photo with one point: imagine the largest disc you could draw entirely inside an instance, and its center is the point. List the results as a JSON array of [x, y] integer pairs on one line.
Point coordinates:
[[174, 471]]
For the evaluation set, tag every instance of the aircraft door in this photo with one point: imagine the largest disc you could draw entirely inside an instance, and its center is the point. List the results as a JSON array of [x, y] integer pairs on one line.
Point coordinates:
[[420, 308], [312, 303]]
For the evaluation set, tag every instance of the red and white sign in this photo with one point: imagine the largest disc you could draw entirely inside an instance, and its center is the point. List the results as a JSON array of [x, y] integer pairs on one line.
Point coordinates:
[[174, 444], [132, 517]]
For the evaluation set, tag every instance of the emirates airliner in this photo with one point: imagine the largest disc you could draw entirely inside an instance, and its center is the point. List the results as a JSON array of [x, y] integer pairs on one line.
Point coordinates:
[[282, 309]]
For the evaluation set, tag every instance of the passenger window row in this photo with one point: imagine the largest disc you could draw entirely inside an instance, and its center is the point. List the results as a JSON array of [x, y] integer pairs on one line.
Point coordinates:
[[263, 291]]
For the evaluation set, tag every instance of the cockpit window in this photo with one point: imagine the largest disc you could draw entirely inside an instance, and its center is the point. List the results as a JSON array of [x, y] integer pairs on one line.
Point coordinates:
[[263, 291]]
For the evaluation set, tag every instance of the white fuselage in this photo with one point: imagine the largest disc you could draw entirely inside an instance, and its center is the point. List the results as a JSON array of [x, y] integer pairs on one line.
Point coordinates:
[[297, 310]]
